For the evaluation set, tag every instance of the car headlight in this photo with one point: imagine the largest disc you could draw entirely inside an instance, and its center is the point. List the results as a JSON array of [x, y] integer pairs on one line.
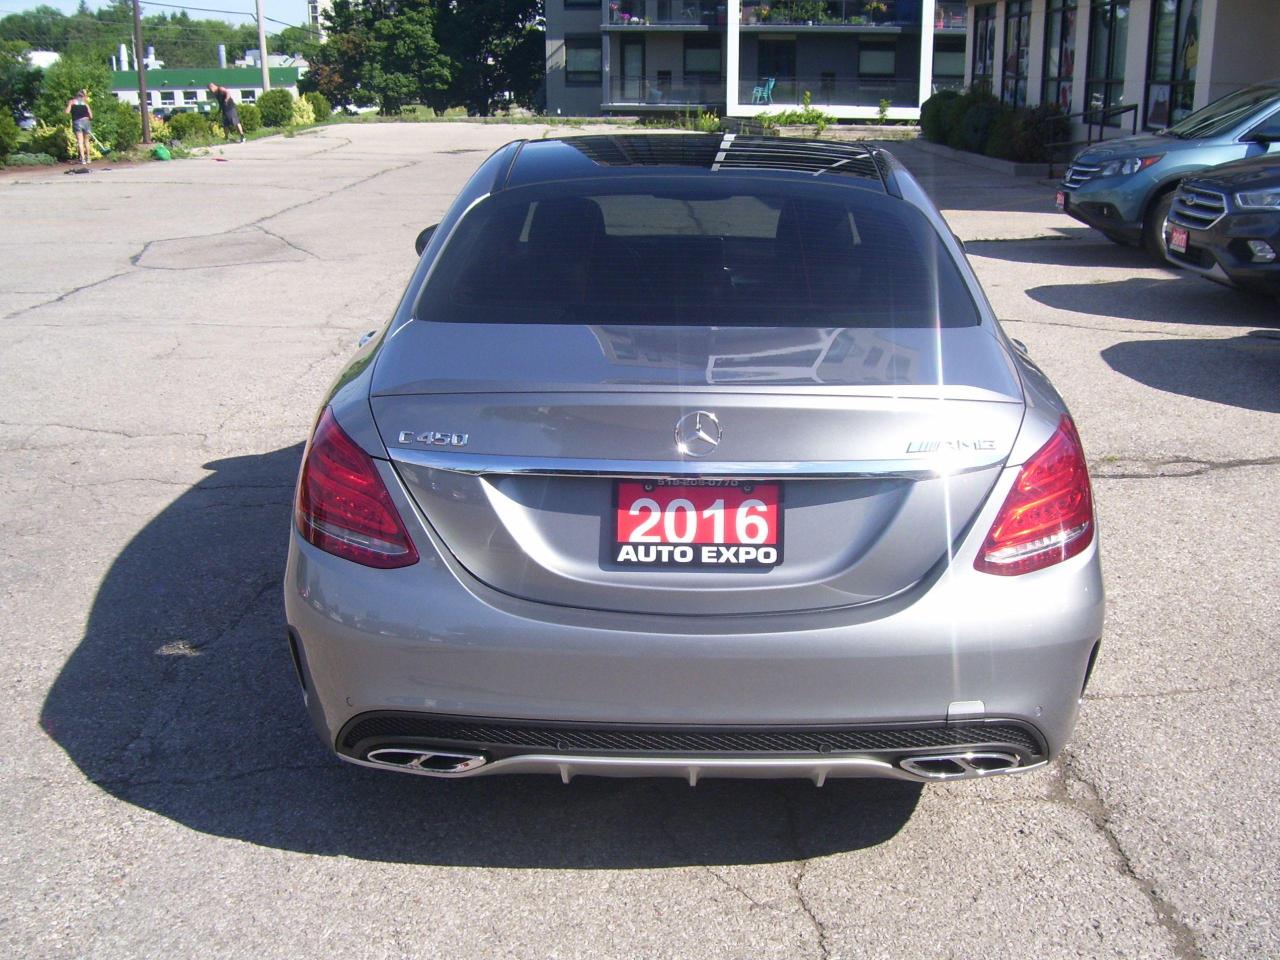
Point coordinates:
[[1264, 199], [1128, 165]]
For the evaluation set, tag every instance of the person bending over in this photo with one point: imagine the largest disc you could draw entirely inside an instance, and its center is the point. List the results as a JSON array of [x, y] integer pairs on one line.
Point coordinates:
[[230, 116]]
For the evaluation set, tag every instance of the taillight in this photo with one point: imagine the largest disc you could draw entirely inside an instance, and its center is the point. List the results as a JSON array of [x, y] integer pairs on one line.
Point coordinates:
[[344, 507], [1048, 514]]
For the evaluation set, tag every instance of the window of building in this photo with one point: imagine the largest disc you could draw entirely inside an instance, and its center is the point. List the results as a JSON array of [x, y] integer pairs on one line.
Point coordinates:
[[1104, 79], [166, 96], [190, 96], [1017, 52], [948, 63], [248, 96], [984, 47], [582, 4], [1059, 53], [701, 57], [582, 62], [1171, 67], [877, 60]]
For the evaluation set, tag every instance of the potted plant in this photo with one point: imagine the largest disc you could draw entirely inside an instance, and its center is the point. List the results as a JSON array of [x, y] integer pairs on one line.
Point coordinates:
[[877, 9]]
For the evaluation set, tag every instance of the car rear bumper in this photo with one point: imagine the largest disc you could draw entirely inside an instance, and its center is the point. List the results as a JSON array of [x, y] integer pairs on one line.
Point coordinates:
[[429, 641]]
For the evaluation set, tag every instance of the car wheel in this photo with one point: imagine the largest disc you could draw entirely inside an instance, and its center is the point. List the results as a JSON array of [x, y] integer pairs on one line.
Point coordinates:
[[1153, 225]]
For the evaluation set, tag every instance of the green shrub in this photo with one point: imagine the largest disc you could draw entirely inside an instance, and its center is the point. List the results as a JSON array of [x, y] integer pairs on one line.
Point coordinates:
[[950, 117], [30, 160], [8, 132], [250, 117], [933, 116], [126, 128], [190, 127], [64, 79], [276, 107], [1039, 127], [1002, 136], [1024, 135], [982, 112], [807, 116], [301, 114], [56, 140], [320, 104]]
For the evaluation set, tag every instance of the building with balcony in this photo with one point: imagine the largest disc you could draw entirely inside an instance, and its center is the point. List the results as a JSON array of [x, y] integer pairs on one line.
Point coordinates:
[[1126, 65], [742, 58]]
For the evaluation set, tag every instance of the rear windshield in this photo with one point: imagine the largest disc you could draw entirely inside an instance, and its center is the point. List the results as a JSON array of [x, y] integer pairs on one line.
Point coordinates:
[[699, 252]]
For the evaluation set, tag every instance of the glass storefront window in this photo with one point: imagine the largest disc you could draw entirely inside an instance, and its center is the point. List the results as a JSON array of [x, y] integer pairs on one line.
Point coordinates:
[[1108, 34], [1059, 53], [1171, 67], [984, 47], [1017, 50]]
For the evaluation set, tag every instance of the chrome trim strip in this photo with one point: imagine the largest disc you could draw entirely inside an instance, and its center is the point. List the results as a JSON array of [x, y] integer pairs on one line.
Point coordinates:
[[691, 769], [478, 464]]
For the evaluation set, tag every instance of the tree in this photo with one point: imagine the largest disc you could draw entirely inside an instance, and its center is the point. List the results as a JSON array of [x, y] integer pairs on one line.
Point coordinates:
[[19, 81], [379, 51], [499, 51]]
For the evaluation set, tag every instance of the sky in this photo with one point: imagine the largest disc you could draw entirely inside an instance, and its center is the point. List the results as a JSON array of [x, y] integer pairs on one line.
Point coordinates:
[[288, 11]]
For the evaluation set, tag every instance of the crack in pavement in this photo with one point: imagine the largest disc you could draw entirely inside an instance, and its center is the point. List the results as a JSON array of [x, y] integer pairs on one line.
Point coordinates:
[[171, 699], [1098, 470], [1184, 691], [134, 260], [1197, 335], [796, 881], [289, 243], [125, 784], [70, 293], [1092, 805]]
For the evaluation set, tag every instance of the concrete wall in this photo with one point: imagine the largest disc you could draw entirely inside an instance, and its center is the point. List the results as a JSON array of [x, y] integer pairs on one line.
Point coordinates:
[[562, 99], [1240, 45]]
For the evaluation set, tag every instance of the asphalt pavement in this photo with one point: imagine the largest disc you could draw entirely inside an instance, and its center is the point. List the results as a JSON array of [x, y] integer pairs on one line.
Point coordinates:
[[168, 330]]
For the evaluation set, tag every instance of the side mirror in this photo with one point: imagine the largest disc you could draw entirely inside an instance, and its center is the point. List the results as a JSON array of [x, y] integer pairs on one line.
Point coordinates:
[[424, 238]]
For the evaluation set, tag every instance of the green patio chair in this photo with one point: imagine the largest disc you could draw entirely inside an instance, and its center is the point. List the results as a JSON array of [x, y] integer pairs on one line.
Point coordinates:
[[763, 91]]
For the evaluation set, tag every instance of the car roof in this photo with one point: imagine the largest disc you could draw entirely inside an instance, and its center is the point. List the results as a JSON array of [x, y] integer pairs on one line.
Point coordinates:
[[699, 154]]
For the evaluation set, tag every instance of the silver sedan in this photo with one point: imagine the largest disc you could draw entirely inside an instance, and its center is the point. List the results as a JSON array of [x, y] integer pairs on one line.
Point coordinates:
[[693, 456]]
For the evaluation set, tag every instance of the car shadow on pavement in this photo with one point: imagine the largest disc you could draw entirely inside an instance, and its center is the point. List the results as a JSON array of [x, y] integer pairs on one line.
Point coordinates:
[[1241, 371], [1186, 298], [181, 700], [1064, 251]]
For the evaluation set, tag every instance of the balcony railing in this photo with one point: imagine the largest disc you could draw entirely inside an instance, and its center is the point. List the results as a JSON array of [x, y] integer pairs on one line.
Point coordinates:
[[829, 92], [813, 13], [677, 12], [948, 15], [644, 91]]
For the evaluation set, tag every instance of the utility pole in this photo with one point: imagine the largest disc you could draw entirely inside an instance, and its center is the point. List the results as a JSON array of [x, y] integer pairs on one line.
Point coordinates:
[[262, 48], [144, 102]]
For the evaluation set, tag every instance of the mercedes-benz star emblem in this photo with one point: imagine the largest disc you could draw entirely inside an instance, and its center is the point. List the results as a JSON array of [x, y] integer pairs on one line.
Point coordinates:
[[697, 433]]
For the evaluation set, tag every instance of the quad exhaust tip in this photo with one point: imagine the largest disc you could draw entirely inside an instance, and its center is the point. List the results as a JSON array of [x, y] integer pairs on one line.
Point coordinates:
[[954, 766], [426, 761]]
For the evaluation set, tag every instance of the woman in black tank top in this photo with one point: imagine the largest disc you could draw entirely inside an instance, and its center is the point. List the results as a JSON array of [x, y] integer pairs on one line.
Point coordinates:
[[81, 116]]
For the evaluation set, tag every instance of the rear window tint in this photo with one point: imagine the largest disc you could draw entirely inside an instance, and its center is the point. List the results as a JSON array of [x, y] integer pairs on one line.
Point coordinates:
[[697, 252]]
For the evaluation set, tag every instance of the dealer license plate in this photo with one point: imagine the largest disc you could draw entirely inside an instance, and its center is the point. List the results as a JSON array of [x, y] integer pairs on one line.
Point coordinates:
[[1178, 239], [697, 524]]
